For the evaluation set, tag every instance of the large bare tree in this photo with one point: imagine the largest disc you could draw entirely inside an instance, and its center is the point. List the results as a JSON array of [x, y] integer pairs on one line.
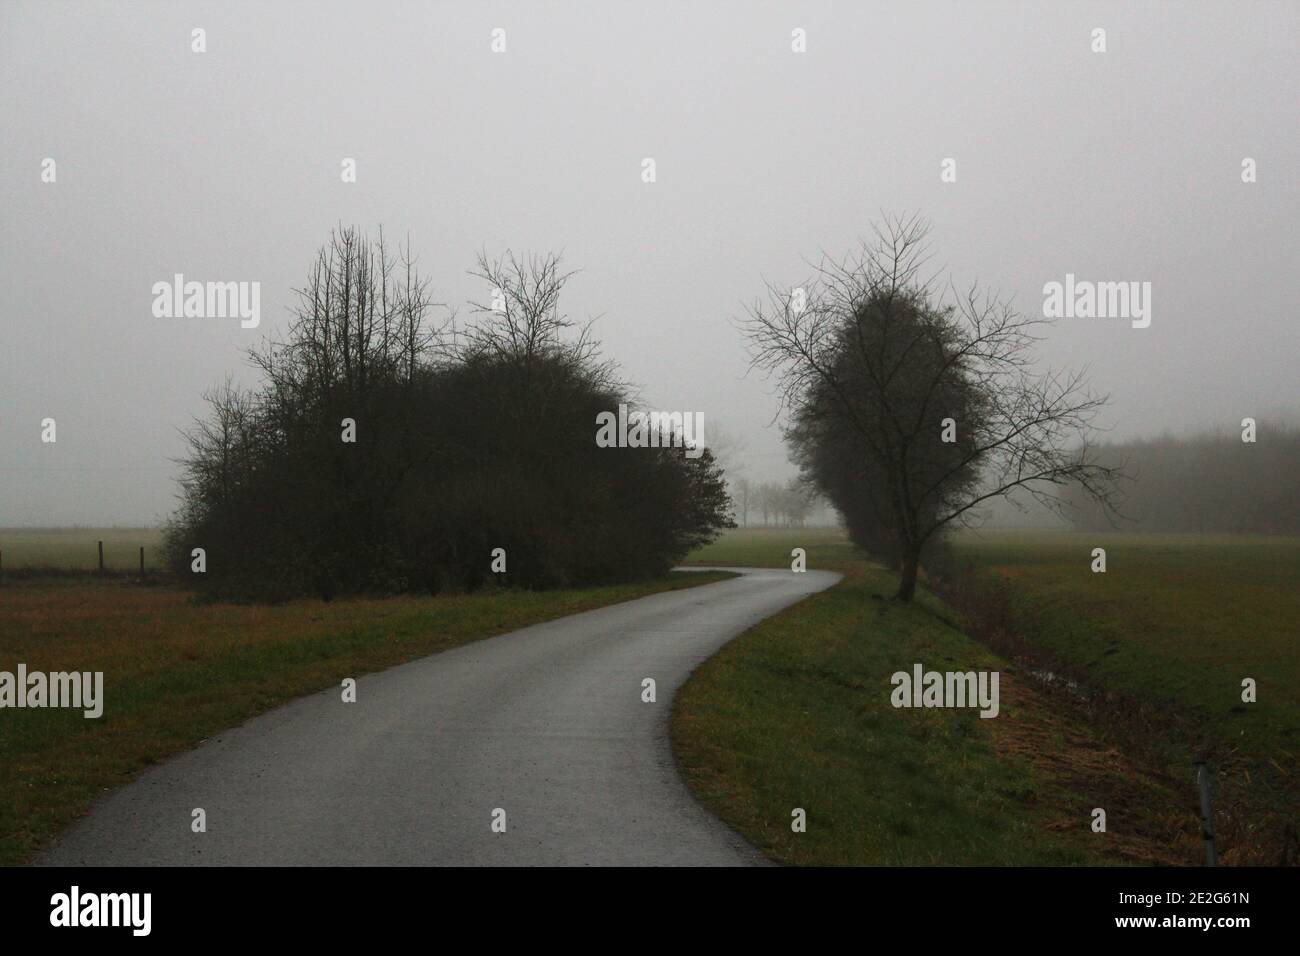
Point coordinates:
[[929, 398]]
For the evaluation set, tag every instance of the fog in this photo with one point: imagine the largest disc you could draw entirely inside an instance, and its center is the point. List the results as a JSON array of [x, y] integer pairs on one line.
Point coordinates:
[[226, 166]]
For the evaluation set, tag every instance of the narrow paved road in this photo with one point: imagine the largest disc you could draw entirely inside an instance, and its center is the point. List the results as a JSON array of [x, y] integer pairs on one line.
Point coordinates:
[[545, 723]]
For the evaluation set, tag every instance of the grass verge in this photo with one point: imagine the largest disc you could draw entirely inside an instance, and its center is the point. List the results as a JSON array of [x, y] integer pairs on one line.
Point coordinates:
[[796, 713]]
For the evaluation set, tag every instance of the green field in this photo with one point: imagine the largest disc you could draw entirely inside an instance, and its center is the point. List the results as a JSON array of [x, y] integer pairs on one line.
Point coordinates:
[[177, 671], [1175, 619], [796, 709], [771, 547], [77, 549], [1163, 641]]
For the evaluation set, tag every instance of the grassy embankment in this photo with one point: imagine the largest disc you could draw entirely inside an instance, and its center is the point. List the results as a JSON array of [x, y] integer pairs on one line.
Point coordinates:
[[796, 712], [1162, 642], [176, 671]]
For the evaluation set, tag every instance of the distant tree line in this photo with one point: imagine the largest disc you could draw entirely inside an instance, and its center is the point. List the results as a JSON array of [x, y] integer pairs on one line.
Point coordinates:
[[785, 505], [1209, 482], [387, 452]]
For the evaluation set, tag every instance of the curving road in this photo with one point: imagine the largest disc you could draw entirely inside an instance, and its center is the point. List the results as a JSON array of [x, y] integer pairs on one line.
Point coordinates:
[[545, 723]]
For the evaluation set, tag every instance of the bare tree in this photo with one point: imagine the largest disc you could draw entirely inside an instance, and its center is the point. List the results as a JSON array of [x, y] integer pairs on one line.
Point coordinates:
[[742, 495], [936, 396], [415, 338], [797, 498], [356, 323], [728, 448], [522, 325]]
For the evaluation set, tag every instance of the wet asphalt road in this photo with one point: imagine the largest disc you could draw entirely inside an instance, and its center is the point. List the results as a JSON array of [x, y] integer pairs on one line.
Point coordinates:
[[546, 723]]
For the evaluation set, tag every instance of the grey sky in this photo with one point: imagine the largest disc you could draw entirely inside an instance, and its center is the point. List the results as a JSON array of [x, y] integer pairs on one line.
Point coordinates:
[[226, 166]]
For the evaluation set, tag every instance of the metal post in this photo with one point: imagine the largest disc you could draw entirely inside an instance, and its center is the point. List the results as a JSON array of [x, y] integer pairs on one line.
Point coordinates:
[[101, 557], [1207, 812]]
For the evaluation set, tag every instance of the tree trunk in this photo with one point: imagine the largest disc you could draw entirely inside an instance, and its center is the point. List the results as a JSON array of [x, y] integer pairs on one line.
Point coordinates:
[[907, 581]]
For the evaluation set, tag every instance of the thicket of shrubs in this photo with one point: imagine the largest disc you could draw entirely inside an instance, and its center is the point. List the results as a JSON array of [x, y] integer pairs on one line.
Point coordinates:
[[1208, 483], [462, 442]]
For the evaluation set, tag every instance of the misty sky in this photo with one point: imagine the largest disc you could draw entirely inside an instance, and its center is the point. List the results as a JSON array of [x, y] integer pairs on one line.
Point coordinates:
[[225, 166]]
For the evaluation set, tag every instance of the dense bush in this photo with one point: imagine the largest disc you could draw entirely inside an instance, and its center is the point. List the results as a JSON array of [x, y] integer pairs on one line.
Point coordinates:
[[462, 444]]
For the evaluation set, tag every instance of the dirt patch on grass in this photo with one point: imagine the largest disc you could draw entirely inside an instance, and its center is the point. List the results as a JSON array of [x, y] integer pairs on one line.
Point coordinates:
[[1150, 819]]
